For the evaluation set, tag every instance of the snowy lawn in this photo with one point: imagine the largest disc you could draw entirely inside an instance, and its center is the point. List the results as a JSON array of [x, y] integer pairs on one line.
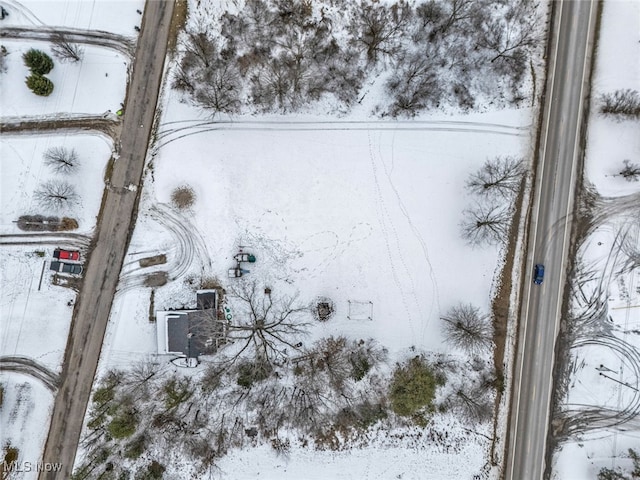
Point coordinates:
[[23, 171], [35, 315], [93, 85], [25, 409], [351, 215], [116, 16]]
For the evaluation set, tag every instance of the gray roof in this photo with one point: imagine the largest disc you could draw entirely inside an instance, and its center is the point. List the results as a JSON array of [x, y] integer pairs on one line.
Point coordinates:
[[206, 299], [178, 332], [194, 332]]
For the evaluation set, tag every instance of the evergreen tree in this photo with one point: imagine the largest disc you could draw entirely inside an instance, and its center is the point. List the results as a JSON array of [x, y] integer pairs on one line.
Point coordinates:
[[38, 62], [39, 85]]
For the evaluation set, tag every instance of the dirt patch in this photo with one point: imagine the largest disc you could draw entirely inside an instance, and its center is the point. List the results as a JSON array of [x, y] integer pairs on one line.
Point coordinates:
[[151, 261], [501, 307], [73, 283], [152, 307], [110, 127], [180, 14], [156, 279], [210, 283]]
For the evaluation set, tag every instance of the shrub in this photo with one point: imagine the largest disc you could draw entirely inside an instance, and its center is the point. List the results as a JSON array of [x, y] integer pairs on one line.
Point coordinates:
[[38, 62], [251, 372], [153, 471], [413, 387], [177, 391], [10, 454], [39, 85], [136, 447], [123, 425]]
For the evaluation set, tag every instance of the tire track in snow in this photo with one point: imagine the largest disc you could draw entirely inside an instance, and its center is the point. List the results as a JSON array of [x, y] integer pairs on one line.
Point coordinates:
[[28, 366], [166, 136], [187, 243]]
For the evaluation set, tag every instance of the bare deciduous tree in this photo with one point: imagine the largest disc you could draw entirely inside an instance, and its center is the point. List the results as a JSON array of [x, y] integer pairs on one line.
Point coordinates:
[[61, 159], [56, 195], [621, 103], [515, 30], [264, 325], [500, 175], [415, 85], [466, 328], [473, 403], [457, 11], [378, 27], [630, 172], [485, 224], [65, 50]]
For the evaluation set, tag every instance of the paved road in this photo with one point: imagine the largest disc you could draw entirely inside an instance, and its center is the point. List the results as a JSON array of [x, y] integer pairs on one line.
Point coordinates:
[[550, 229], [102, 271]]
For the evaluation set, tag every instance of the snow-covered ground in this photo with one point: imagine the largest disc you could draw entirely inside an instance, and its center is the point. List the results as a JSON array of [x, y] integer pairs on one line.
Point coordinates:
[[116, 16], [23, 170], [26, 407], [605, 358], [367, 214], [76, 85]]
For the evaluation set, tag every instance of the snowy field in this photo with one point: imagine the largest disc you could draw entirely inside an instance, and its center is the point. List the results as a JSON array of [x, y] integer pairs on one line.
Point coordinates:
[[346, 214], [366, 214], [116, 16], [76, 85], [602, 403]]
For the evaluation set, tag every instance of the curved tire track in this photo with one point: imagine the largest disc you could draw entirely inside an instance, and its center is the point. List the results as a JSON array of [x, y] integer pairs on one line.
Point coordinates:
[[30, 367]]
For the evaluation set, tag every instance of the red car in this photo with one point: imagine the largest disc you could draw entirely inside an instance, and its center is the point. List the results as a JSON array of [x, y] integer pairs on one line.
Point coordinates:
[[66, 254]]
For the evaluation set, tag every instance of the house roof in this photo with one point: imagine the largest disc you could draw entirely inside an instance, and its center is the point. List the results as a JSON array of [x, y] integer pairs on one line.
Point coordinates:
[[206, 299], [190, 332]]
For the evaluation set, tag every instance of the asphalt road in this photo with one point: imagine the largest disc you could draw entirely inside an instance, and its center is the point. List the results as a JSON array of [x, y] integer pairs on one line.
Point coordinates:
[[102, 270], [550, 229]]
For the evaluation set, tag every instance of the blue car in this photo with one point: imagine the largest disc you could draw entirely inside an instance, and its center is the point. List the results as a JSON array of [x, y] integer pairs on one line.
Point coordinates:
[[538, 274]]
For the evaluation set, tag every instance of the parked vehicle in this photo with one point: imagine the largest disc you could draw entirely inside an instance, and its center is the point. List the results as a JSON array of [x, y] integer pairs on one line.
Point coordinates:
[[235, 272], [538, 274], [73, 268], [66, 254], [244, 257]]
